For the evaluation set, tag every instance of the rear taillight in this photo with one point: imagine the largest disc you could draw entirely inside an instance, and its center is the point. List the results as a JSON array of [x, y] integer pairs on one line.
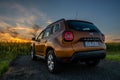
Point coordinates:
[[103, 37], [68, 36]]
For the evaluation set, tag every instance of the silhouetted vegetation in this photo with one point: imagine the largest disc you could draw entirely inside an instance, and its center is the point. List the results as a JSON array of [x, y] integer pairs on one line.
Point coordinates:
[[113, 51]]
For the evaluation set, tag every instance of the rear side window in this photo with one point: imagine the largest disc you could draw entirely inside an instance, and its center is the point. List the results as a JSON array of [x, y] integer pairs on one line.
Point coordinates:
[[82, 26], [56, 28]]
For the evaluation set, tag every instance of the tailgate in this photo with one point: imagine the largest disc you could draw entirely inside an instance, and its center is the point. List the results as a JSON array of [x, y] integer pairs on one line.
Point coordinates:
[[85, 41], [87, 36]]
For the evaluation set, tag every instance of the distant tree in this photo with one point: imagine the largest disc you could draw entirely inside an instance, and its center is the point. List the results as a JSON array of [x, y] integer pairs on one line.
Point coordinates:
[[35, 28]]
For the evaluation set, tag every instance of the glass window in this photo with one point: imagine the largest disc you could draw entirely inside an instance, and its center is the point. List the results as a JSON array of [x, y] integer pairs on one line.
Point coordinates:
[[37, 34], [82, 26], [47, 32], [40, 36], [56, 28]]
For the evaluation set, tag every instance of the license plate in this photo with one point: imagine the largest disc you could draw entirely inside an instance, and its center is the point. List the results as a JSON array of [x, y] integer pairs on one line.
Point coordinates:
[[91, 44]]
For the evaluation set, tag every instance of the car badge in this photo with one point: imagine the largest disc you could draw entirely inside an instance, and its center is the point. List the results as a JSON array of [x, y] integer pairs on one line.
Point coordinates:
[[91, 34]]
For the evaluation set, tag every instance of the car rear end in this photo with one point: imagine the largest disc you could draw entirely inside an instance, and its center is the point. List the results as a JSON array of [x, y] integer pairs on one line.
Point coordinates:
[[86, 39]]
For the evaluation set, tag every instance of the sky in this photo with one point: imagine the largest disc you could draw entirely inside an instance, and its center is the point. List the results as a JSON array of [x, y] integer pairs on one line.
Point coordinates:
[[19, 19]]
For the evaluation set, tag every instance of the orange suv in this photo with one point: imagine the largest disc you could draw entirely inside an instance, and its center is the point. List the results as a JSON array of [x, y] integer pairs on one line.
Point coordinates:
[[69, 41]]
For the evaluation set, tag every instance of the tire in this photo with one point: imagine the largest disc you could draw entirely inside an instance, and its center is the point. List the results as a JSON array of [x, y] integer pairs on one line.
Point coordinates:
[[93, 62], [52, 64], [33, 54]]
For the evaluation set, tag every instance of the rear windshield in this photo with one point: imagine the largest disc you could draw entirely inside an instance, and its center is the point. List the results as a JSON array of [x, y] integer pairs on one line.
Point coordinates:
[[82, 26]]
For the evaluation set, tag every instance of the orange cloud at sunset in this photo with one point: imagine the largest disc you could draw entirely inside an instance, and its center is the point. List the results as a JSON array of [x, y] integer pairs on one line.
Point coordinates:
[[19, 33], [6, 37], [112, 38], [21, 25]]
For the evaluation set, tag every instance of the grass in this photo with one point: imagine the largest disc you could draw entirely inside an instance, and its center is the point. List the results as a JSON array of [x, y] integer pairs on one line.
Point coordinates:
[[9, 51], [113, 57], [113, 51]]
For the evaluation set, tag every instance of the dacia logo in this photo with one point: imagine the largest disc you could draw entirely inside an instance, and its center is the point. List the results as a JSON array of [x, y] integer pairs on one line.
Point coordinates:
[[91, 34]]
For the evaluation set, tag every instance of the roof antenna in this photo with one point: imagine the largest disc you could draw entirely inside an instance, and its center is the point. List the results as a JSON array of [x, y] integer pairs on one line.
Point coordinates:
[[76, 15]]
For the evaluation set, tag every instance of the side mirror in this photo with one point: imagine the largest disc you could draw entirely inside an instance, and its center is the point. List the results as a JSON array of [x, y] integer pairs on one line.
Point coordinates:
[[33, 38]]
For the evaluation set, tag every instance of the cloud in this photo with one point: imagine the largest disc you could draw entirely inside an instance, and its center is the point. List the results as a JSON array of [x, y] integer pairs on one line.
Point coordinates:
[[24, 15], [113, 38], [116, 39], [21, 25], [4, 24], [21, 15], [49, 22], [19, 30]]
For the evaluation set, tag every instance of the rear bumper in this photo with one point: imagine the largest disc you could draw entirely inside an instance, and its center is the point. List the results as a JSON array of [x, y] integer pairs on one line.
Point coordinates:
[[85, 56], [99, 54]]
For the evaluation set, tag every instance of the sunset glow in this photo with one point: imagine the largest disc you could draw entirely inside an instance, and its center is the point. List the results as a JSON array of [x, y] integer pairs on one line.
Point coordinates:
[[19, 40]]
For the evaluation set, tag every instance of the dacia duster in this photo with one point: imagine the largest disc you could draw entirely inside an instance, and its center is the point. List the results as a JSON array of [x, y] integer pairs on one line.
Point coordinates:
[[69, 41]]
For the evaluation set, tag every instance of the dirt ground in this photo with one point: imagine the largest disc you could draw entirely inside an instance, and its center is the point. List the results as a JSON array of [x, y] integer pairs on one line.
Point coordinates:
[[23, 68]]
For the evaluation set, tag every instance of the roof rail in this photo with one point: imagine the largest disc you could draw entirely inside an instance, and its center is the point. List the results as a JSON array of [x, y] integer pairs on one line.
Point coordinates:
[[57, 21], [60, 20]]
